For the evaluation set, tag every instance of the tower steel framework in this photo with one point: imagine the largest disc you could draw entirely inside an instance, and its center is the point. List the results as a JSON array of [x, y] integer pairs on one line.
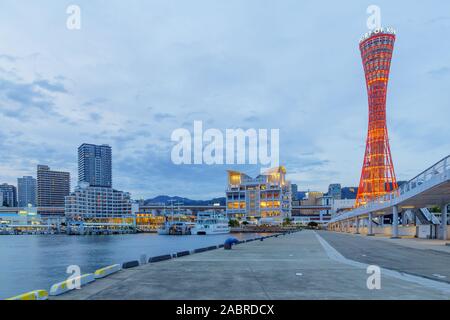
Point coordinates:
[[377, 176]]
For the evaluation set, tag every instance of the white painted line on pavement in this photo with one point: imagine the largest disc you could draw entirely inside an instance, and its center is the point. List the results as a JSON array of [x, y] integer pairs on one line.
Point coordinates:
[[336, 256]]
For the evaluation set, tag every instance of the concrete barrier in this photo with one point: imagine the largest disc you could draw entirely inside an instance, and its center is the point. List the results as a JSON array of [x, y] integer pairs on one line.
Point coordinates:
[[159, 258], [104, 272], [68, 285], [33, 295], [183, 253], [130, 264], [143, 259]]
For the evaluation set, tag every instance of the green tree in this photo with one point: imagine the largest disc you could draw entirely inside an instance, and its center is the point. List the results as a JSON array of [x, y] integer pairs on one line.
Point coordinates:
[[313, 224], [435, 209], [233, 223]]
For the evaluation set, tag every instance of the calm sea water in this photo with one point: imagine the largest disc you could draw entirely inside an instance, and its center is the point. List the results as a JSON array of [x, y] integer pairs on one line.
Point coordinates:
[[36, 262]]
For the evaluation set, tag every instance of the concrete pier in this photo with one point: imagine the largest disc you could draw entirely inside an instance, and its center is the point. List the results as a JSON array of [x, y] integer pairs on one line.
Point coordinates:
[[295, 266]]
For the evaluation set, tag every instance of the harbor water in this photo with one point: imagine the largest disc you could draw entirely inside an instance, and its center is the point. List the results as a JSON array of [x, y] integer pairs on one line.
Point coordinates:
[[38, 261]]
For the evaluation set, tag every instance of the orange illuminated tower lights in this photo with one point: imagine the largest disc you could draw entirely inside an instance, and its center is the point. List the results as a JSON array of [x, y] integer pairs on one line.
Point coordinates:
[[377, 176]]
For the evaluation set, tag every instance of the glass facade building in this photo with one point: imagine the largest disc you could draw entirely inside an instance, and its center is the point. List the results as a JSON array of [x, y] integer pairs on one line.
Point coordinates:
[[26, 191], [9, 195]]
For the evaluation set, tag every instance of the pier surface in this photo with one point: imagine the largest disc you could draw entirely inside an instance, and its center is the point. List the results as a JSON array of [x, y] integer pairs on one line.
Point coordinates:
[[303, 265]]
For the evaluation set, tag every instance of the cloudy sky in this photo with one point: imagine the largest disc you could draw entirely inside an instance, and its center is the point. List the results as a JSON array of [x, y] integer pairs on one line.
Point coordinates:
[[139, 69]]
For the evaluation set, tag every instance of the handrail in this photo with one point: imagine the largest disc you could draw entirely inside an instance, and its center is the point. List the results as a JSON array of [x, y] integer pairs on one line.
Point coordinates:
[[442, 160], [401, 190], [426, 175]]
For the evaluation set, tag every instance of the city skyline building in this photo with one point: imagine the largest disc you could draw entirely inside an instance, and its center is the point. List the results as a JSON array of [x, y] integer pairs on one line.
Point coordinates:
[[294, 189], [335, 191], [52, 187], [26, 188], [95, 165], [377, 174], [9, 195]]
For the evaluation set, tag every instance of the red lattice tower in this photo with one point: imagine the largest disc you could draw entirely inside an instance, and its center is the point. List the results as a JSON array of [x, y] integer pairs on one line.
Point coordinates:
[[377, 176]]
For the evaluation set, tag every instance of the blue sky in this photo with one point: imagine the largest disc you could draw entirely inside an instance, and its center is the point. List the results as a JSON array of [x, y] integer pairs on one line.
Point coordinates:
[[137, 70]]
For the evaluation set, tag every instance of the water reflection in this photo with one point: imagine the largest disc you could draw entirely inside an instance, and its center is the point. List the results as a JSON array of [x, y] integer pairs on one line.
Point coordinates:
[[36, 262]]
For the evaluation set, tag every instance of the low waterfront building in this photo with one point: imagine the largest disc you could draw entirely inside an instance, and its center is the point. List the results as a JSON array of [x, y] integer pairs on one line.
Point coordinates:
[[265, 199], [25, 221], [313, 207], [325, 214], [99, 210]]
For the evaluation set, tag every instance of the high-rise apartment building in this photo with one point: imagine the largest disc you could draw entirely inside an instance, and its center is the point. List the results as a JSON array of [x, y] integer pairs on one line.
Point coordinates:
[[52, 187], [9, 195], [26, 191], [95, 165]]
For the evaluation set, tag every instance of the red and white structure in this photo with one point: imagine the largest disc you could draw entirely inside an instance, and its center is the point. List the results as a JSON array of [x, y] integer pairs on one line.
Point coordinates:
[[377, 176]]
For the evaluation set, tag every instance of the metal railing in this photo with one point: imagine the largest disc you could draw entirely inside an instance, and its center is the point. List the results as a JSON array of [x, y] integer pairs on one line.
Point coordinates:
[[437, 169]]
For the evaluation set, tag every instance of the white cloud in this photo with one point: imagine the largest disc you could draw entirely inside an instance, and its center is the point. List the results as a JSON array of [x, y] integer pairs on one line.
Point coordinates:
[[136, 71]]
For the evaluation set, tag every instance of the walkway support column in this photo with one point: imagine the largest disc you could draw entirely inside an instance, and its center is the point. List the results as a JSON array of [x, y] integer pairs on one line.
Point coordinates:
[[394, 222], [357, 225], [370, 225], [444, 219]]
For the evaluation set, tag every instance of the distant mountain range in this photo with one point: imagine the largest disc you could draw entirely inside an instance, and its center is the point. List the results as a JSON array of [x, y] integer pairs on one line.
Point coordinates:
[[167, 200], [346, 193]]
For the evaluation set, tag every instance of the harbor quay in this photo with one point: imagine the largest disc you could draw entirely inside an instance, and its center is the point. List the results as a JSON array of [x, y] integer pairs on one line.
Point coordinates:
[[301, 265]]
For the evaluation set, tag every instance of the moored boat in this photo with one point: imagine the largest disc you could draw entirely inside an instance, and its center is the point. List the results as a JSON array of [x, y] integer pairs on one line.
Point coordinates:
[[210, 222]]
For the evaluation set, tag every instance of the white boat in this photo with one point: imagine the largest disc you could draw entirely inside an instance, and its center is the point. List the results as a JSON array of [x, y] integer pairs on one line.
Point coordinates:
[[175, 228], [209, 222]]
